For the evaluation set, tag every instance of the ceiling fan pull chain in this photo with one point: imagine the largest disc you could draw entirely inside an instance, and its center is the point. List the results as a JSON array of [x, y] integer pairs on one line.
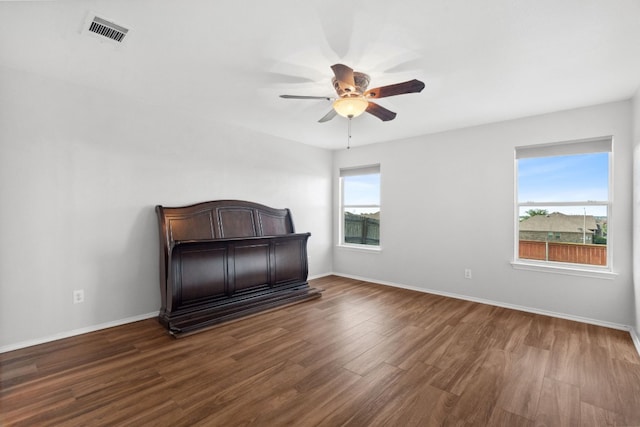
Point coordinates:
[[349, 133]]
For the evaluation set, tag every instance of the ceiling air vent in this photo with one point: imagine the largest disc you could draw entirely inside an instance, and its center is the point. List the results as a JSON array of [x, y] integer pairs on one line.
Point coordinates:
[[104, 28]]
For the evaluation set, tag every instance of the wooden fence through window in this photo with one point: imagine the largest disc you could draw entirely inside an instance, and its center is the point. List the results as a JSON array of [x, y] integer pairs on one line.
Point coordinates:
[[361, 230], [576, 253]]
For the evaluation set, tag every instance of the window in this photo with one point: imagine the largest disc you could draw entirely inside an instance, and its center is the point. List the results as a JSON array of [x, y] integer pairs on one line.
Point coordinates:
[[564, 204], [360, 206]]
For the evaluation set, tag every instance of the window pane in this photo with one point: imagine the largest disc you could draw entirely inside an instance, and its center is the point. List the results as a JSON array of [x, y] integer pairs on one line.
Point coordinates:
[[361, 190], [563, 202], [360, 208], [571, 234], [363, 229], [571, 178]]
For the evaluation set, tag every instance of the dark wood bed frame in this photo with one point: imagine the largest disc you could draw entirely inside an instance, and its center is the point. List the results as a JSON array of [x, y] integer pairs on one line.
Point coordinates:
[[224, 259]]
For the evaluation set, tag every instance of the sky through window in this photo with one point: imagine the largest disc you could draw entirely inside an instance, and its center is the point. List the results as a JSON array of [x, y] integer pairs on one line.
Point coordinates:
[[572, 178]]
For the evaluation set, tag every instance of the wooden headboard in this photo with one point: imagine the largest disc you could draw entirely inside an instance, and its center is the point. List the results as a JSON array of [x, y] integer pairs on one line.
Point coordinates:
[[223, 219], [226, 258]]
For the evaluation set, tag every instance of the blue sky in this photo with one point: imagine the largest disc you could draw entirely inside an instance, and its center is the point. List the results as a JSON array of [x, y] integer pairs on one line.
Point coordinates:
[[362, 190], [574, 178]]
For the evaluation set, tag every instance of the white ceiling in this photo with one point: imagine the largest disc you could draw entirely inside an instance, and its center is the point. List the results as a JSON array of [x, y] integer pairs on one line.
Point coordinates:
[[482, 61]]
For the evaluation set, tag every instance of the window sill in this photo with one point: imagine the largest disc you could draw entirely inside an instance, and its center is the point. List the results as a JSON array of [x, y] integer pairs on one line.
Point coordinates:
[[571, 270], [361, 248]]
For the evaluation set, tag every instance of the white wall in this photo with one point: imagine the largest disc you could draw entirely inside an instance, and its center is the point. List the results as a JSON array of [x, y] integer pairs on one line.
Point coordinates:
[[636, 211], [80, 174], [447, 204]]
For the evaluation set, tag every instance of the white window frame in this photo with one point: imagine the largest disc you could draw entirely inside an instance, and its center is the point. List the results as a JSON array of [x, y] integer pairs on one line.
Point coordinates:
[[356, 171], [585, 146]]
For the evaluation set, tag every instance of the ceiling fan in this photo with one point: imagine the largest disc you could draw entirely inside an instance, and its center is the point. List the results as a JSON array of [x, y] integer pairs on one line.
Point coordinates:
[[353, 96]]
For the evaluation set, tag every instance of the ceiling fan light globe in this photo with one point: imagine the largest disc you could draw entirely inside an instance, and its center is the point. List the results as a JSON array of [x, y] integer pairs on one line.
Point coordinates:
[[350, 106]]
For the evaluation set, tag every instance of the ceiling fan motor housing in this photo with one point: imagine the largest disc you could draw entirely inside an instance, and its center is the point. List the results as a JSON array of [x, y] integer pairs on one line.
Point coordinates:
[[361, 80]]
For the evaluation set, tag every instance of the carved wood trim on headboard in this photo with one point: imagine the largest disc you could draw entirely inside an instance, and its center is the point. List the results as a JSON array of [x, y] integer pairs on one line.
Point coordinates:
[[223, 219]]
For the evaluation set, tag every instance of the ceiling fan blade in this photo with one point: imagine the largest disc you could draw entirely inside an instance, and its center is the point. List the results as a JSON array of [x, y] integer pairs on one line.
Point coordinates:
[[380, 112], [330, 115], [304, 97], [344, 77], [411, 86]]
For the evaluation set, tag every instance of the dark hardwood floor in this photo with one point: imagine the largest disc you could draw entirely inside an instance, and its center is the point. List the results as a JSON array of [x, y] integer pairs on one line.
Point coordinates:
[[362, 355]]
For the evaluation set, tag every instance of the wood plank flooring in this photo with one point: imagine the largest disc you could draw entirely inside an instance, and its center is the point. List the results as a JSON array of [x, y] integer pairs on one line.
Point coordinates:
[[362, 355]]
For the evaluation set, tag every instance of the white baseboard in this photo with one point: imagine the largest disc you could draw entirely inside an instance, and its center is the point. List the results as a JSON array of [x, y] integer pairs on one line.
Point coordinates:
[[75, 332], [632, 332]]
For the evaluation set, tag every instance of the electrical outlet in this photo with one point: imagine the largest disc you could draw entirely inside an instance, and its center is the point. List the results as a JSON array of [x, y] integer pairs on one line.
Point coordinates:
[[467, 273], [78, 296]]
